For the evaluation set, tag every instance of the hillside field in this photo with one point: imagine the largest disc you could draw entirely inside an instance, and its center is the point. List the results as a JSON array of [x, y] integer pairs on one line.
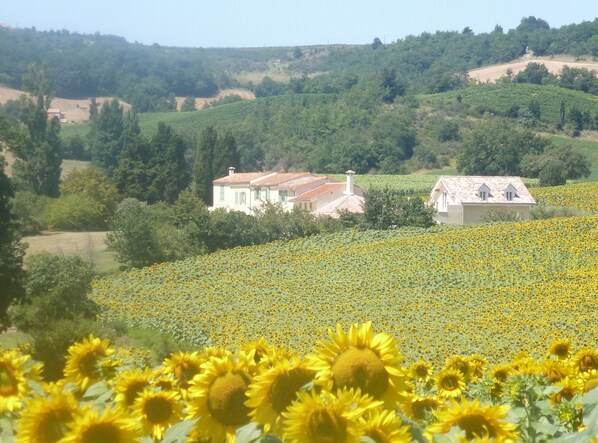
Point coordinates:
[[487, 289]]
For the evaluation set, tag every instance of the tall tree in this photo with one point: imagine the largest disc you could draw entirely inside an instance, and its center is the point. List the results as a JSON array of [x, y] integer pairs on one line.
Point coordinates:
[[225, 155], [203, 174], [106, 137], [38, 148], [11, 251], [168, 168]]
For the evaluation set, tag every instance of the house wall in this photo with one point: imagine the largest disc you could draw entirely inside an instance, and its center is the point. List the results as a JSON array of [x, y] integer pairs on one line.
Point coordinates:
[[229, 201], [453, 215], [474, 214]]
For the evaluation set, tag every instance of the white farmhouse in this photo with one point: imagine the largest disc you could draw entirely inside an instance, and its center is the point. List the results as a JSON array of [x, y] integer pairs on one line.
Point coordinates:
[[248, 191], [462, 200]]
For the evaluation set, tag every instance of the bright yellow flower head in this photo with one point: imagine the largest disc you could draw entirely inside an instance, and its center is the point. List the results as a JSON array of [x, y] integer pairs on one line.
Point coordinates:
[[461, 364], [419, 408], [91, 426], [420, 371], [385, 426], [274, 390], [450, 383], [158, 411], [361, 360], [324, 417], [184, 366], [46, 419], [217, 399], [585, 360], [560, 348], [84, 361], [13, 380], [129, 384], [480, 423]]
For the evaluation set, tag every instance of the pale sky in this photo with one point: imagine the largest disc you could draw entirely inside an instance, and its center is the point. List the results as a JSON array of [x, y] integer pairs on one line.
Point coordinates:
[[258, 23]]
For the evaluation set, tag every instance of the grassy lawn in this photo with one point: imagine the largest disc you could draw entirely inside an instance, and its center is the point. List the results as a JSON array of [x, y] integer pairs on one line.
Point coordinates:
[[90, 246]]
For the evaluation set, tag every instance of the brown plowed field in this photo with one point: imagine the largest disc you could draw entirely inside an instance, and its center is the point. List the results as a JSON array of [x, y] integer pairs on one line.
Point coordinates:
[[554, 66]]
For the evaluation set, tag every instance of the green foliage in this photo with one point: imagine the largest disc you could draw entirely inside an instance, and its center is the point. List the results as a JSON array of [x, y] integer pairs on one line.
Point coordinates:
[[188, 105], [106, 136], [74, 212], [387, 209], [91, 183], [556, 165], [500, 216], [11, 251], [495, 148]]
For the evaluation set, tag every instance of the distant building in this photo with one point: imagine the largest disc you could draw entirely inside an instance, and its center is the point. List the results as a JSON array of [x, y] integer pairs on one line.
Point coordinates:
[[56, 112], [462, 200], [322, 196]]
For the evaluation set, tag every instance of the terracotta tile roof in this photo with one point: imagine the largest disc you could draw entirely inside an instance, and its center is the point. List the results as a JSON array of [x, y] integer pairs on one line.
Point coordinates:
[[241, 177], [464, 189], [351, 203], [313, 194], [293, 184], [278, 178]]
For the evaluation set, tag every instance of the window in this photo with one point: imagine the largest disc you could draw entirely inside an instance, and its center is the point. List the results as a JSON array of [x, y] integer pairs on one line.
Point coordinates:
[[258, 194], [221, 192], [444, 201], [236, 198], [483, 195], [242, 198], [510, 195], [267, 194], [282, 196]]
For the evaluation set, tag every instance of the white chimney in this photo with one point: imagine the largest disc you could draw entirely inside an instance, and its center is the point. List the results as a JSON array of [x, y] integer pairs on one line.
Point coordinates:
[[350, 182], [231, 171]]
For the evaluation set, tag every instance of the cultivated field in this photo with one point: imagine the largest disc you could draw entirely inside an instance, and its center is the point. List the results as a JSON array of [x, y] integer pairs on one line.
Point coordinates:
[[554, 66], [491, 289]]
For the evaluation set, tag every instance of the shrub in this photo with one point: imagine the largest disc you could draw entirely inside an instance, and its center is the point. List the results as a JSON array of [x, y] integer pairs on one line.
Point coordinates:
[[74, 212]]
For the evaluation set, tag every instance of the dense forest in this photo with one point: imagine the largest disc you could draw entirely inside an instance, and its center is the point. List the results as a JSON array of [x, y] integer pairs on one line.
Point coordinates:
[[149, 76]]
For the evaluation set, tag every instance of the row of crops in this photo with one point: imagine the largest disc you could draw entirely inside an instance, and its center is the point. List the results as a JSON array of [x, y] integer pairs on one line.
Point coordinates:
[[488, 289], [352, 387], [582, 196]]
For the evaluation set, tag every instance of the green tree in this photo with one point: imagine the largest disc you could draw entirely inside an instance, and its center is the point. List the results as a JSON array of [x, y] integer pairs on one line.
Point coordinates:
[[556, 165], [225, 155], [387, 209], [495, 147], [106, 136], [203, 173], [38, 146], [11, 251], [168, 169]]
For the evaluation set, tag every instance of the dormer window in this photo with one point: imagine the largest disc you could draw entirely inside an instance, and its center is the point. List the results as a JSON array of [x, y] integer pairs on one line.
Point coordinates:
[[510, 193], [483, 192]]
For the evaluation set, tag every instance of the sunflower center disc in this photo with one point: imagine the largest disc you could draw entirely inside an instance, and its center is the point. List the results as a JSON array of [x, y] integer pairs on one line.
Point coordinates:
[[361, 368], [8, 382], [285, 386], [133, 391], [87, 364], [450, 383], [476, 426], [53, 426], [158, 410], [101, 433], [588, 362], [226, 400], [326, 427]]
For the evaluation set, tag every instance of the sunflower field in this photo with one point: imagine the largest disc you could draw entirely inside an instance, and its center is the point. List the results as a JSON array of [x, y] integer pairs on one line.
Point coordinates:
[[492, 290], [582, 196], [352, 386]]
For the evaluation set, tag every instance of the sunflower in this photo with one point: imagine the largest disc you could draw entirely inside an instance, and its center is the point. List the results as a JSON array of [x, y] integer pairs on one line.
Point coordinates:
[[184, 366], [273, 391], [13, 380], [476, 421], [83, 364], [326, 418], [478, 365], [450, 383], [258, 349], [361, 360], [500, 373], [384, 426], [421, 371], [569, 387], [589, 380], [585, 360], [45, 419], [157, 411], [419, 408], [91, 426], [217, 397], [560, 348], [555, 370], [461, 364], [128, 384]]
